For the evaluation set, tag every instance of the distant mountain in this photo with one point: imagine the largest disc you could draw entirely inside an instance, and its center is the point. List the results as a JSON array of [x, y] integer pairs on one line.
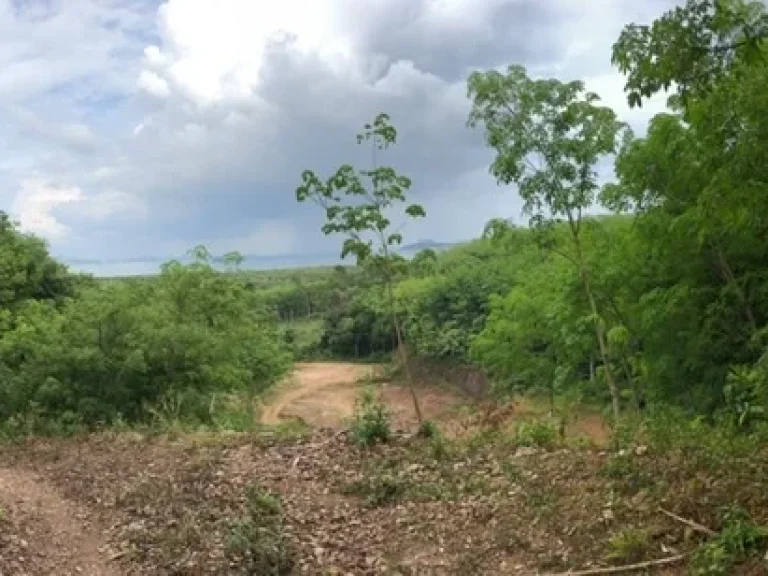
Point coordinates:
[[428, 244]]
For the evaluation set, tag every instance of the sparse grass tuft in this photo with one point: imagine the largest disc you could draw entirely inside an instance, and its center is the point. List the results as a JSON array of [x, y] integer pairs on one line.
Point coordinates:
[[630, 545], [258, 540]]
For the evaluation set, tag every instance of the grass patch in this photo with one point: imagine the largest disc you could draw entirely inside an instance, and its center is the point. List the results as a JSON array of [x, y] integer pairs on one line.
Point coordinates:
[[630, 545], [257, 540]]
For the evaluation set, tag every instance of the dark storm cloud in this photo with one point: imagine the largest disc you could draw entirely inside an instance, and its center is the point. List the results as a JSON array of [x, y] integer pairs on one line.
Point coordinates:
[[519, 31], [215, 155]]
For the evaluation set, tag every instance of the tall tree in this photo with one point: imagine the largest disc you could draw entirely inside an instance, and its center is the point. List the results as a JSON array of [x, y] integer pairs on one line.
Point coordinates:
[[549, 136], [361, 214]]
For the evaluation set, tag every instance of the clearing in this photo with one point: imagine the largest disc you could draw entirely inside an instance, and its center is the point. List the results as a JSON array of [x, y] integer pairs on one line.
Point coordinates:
[[129, 503], [323, 394]]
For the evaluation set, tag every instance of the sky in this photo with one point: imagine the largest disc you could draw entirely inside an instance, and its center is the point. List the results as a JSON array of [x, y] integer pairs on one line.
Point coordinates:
[[135, 128]]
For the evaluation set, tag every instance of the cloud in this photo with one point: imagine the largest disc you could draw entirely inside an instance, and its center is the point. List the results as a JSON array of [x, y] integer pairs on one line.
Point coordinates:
[[39, 204], [187, 121], [153, 85], [34, 204], [75, 135]]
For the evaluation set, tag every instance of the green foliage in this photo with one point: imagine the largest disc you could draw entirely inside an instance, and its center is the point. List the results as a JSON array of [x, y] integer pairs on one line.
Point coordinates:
[[428, 429], [257, 540], [379, 489], [736, 541], [371, 420], [367, 207], [538, 433], [690, 47], [630, 545], [358, 212], [549, 137], [136, 351]]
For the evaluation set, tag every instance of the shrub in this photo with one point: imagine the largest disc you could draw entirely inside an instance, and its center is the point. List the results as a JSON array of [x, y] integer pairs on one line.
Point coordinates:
[[428, 429], [538, 433], [630, 545], [150, 350], [371, 420], [737, 540]]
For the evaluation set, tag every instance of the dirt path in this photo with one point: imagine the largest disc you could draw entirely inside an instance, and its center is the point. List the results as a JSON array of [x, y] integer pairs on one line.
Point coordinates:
[[42, 534], [323, 394]]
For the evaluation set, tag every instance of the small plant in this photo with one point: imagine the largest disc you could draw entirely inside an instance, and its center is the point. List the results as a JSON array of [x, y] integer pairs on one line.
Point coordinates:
[[258, 538], [440, 447], [738, 539], [625, 469], [512, 472], [630, 545], [539, 433], [371, 421], [379, 490], [428, 429]]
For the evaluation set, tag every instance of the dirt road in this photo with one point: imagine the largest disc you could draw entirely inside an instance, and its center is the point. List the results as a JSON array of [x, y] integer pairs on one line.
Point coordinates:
[[40, 533], [323, 394]]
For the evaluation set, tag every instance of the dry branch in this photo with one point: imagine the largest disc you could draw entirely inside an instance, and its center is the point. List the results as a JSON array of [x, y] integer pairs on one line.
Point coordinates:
[[690, 523], [621, 569]]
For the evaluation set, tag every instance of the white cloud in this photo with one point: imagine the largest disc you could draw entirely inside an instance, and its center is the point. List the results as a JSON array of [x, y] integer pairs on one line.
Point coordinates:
[[35, 202], [153, 85], [39, 205], [214, 51]]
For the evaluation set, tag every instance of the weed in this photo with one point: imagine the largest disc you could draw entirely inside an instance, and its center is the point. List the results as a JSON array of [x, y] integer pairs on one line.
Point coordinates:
[[428, 429], [630, 545], [440, 448], [379, 490], [737, 540], [626, 471], [371, 421], [257, 539], [538, 433], [512, 472], [2, 513]]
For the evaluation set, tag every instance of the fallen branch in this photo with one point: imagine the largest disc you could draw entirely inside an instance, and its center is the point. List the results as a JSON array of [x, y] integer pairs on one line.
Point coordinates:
[[690, 523], [621, 569]]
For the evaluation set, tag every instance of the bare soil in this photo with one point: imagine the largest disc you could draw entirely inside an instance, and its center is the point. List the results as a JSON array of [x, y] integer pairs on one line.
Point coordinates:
[[41, 533], [137, 504], [323, 395]]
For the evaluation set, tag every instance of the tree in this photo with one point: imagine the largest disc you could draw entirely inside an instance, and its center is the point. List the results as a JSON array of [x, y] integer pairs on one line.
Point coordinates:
[[697, 185], [690, 46], [359, 213], [549, 136]]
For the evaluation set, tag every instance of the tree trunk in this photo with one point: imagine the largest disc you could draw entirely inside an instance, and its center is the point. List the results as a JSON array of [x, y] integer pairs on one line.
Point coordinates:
[[636, 395], [402, 352], [599, 333], [730, 278]]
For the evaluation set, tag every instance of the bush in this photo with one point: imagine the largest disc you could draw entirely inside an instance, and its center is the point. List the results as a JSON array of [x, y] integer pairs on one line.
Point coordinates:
[[737, 540], [137, 350], [258, 539], [428, 429], [630, 545], [539, 433], [371, 421]]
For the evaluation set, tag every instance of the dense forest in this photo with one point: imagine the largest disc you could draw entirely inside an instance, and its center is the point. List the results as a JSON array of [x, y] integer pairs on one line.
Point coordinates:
[[664, 303]]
